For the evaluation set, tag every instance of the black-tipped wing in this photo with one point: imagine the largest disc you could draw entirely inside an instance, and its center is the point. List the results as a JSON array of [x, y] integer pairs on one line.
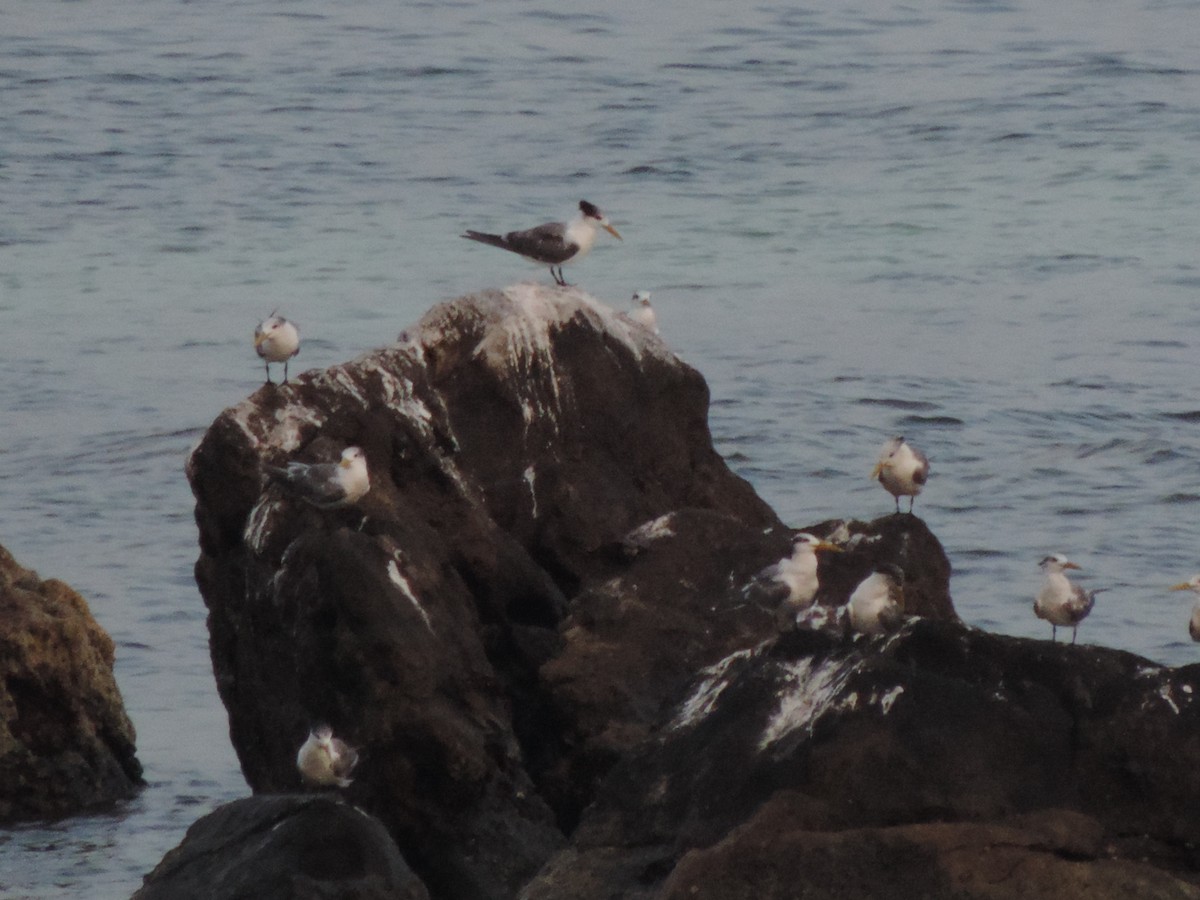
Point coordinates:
[[545, 244]]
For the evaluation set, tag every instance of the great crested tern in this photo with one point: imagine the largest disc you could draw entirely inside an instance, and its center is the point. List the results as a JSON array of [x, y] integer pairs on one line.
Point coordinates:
[[792, 582], [276, 340], [877, 605], [643, 313], [1192, 584], [326, 485], [326, 761], [1060, 601], [554, 243], [902, 469]]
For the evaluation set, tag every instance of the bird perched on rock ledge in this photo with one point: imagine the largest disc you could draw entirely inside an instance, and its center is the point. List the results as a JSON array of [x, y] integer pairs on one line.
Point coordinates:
[[902, 469], [326, 761], [792, 582], [1061, 602], [326, 485], [276, 340], [555, 243], [642, 312], [877, 605]]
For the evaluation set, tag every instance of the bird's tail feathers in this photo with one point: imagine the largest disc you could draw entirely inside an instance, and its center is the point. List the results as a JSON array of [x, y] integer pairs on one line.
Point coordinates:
[[484, 238], [278, 475]]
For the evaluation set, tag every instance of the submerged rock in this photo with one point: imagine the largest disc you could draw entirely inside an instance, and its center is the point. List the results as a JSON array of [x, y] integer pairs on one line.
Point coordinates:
[[66, 744], [538, 630], [284, 847]]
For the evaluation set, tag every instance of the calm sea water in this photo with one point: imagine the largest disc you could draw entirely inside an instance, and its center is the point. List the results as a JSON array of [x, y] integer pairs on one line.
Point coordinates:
[[971, 222]]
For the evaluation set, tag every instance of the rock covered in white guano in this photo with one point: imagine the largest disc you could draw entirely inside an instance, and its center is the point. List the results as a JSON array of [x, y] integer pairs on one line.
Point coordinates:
[[962, 765], [514, 440]]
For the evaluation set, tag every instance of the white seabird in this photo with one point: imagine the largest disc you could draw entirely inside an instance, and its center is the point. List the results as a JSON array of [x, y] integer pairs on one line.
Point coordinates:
[[643, 313], [1060, 601], [554, 243], [877, 605], [276, 340], [326, 485], [902, 469], [1192, 584], [792, 582], [326, 761]]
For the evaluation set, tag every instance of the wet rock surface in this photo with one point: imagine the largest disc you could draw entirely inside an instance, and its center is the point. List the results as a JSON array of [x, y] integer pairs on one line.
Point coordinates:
[[283, 847], [538, 631], [66, 744]]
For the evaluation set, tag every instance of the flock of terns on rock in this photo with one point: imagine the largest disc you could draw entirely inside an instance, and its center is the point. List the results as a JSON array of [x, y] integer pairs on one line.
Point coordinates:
[[876, 606]]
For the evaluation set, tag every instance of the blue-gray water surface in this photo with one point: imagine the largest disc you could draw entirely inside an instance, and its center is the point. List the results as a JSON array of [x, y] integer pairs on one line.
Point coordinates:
[[970, 222]]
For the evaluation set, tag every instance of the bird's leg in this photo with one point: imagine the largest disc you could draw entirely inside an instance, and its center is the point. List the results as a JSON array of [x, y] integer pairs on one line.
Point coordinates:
[[559, 278], [897, 499], [285, 362], [1074, 632], [268, 368]]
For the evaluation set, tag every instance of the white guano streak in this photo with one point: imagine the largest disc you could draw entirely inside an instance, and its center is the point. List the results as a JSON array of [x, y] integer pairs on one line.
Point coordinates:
[[406, 589]]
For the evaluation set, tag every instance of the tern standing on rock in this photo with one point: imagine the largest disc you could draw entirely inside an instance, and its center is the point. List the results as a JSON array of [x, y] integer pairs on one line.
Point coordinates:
[[326, 761], [902, 469], [1060, 601], [555, 243], [1192, 584], [877, 604], [792, 582], [326, 485], [643, 313], [276, 340]]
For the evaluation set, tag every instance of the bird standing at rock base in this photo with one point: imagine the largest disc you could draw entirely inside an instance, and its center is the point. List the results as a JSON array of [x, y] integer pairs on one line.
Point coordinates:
[[326, 761], [902, 469], [555, 243]]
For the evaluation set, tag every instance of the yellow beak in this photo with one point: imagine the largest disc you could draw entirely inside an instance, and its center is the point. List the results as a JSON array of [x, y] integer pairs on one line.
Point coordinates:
[[611, 231]]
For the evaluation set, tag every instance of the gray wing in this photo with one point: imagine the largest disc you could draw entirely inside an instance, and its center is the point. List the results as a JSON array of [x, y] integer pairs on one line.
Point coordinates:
[[347, 759], [1082, 602], [892, 617], [765, 588], [317, 483], [546, 243], [922, 474]]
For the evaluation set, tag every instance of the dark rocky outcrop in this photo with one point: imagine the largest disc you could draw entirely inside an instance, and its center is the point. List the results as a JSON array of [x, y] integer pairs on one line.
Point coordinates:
[[281, 848], [536, 627], [514, 441], [66, 744], [909, 753]]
